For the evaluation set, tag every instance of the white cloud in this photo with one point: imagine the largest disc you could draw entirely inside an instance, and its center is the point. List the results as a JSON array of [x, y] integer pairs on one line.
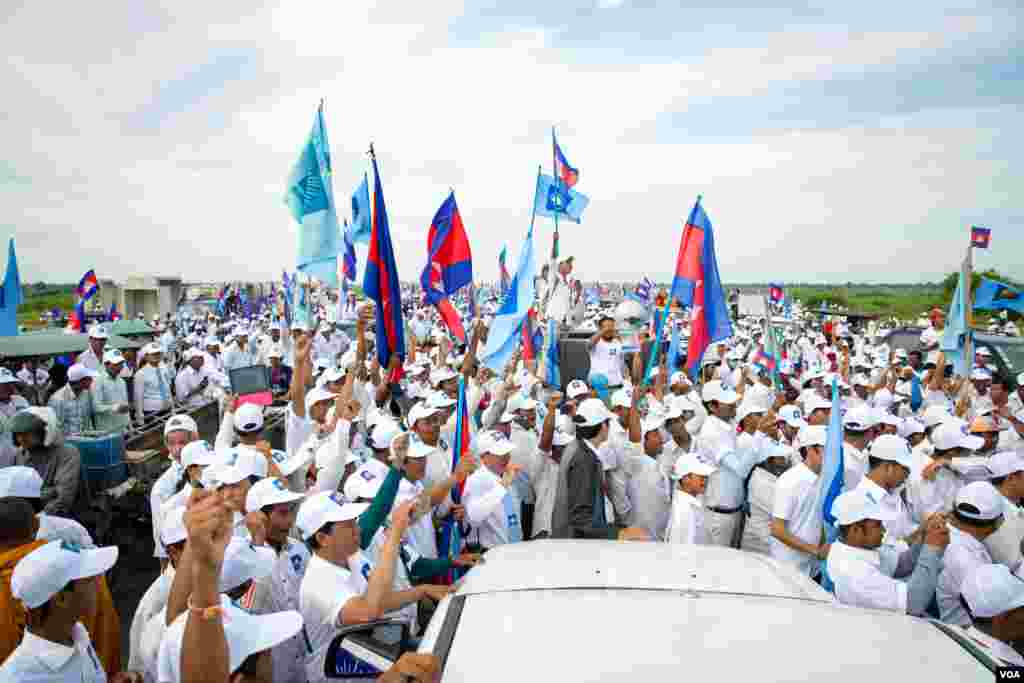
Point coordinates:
[[199, 191]]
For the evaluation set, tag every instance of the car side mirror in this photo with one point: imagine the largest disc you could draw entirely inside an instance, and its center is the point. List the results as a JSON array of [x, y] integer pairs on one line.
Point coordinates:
[[366, 650]]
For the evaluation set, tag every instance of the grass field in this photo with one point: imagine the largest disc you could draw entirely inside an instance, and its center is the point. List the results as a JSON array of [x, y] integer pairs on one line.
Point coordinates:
[[38, 302]]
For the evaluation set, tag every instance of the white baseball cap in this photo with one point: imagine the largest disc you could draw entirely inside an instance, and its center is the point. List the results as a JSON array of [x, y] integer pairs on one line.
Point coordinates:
[[321, 508], [623, 398], [384, 430], [243, 462], [954, 434], [113, 357], [198, 453], [689, 463], [275, 351], [7, 377], [494, 443], [47, 570], [793, 416], [418, 449], [172, 528], [980, 375], [651, 424], [318, 394], [150, 348], [1001, 464], [816, 403], [520, 402], [858, 419], [591, 412], [934, 415], [854, 506], [18, 481], [678, 377], [439, 399], [991, 590], [561, 437], [334, 374], [979, 500], [418, 412], [211, 341], [180, 423], [909, 427], [249, 418], [78, 372], [246, 634], [714, 391], [442, 374], [811, 436], [892, 448], [577, 388], [270, 491]]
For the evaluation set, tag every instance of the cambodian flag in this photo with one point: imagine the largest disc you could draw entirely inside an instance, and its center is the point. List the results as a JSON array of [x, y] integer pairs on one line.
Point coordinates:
[[348, 260], [775, 293], [698, 285], [380, 282], [451, 531], [77, 319], [980, 237], [533, 337], [87, 286], [113, 315], [563, 171], [449, 264]]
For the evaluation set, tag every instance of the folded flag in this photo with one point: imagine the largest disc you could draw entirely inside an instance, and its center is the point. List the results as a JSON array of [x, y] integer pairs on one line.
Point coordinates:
[[553, 199], [11, 295], [980, 237], [830, 480], [698, 286], [568, 175], [87, 286], [998, 296], [380, 282]]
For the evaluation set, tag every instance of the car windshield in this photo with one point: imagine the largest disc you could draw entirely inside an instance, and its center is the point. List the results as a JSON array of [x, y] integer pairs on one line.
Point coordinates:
[[1014, 354]]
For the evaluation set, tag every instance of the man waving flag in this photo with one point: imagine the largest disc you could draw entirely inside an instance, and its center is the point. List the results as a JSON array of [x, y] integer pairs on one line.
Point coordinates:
[[380, 282], [449, 264], [697, 285]]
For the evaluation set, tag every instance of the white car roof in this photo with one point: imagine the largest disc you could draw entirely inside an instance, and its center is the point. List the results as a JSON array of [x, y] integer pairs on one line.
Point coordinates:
[[628, 635], [554, 564]]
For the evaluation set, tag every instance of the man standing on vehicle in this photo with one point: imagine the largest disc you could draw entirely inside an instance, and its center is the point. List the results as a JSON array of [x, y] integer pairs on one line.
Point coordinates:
[[605, 351]]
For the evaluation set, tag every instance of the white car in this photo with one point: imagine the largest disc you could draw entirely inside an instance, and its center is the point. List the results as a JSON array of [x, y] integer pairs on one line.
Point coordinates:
[[560, 610]]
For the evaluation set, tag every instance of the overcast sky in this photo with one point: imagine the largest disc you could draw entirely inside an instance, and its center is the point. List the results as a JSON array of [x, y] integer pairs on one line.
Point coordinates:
[[831, 141]]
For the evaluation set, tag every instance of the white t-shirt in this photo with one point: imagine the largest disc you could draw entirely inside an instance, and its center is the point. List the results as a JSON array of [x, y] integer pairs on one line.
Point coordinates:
[[484, 498], [860, 582], [606, 359], [325, 589], [686, 520], [794, 503]]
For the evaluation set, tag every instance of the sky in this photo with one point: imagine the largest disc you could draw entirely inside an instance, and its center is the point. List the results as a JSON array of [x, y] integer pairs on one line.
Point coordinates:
[[831, 142]]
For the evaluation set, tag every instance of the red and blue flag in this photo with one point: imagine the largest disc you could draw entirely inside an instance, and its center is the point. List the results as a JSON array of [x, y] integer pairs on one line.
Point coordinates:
[[451, 532], [568, 175], [87, 286], [698, 286], [980, 237], [77, 318], [113, 315], [449, 264], [775, 293], [380, 282]]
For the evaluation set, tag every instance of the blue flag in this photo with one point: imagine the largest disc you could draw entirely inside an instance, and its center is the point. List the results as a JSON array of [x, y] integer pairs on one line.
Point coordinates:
[[311, 201], [504, 334], [555, 199], [995, 296], [10, 295], [361, 227], [672, 363], [955, 335], [830, 481], [552, 374]]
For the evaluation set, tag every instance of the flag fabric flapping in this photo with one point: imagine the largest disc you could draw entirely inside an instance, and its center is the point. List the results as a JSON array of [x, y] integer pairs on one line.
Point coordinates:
[[361, 213], [310, 199], [11, 295], [566, 174], [451, 530], [672, 360], [698, 286], [449, 264], [88, 285], [980, 237], [775, 293], [552, 199], [505, 279], [830, 481], [552, 368], [956, 335], [998, 296], [348, 259], [503, 337], [112, 314], [380, 282]]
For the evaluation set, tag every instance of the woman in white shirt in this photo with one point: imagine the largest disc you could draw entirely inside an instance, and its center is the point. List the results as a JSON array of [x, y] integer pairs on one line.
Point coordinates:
[[686, 520]]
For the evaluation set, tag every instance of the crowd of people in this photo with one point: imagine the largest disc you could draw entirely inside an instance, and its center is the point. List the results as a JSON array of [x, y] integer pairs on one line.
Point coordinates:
[[265, 554]]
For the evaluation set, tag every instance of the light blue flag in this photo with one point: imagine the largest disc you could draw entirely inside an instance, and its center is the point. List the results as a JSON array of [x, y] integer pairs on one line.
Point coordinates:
[[10, 295], [954, 336], [552, 369], [504, 335], [830, 481], [361, 228], [555, 199], [311, 201], [673, 351]]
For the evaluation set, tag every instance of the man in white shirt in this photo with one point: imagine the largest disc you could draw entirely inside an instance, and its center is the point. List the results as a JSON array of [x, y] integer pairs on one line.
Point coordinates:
[[796, 522], [1006, 469], [761, 497], [857, 424], [994, 601], [179, 431], [560, 291], [606, 357], [57, 585], [152, 385], [978, 513], [11, 402], [191, 381], [35, 380], [492, 507], [889, 465], [212, 357], [686, 523], [92, 357], [544, 475], [865, 572], [340, 587], [648, 489], [240, 354], [110, 394]]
